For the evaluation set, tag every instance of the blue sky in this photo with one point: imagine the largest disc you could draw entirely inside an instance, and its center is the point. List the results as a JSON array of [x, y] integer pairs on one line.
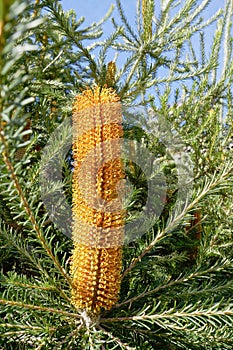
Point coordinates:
[[94, 10]]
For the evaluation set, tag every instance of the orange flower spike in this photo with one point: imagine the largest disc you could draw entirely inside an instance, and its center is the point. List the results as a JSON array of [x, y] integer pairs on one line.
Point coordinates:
[[98, 217]]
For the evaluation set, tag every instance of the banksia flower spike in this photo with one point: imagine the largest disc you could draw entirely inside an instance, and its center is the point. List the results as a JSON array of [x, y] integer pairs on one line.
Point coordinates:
[[98, 217], [110, 76], [147, 18]]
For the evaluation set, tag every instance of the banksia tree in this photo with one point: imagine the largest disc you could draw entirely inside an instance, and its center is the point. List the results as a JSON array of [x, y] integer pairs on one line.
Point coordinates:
[[98, 226], [86, 261]]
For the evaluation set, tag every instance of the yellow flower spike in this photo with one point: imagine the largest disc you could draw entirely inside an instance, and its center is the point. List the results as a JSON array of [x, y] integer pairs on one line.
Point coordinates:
[[98, 217]]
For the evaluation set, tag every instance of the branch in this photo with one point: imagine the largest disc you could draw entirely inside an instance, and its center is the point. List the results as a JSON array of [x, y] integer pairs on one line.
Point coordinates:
[[207, 189], [39, 308], [30, 213]]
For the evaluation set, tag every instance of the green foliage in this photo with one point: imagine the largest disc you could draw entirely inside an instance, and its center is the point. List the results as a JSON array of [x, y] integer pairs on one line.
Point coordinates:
[[177, 281]]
